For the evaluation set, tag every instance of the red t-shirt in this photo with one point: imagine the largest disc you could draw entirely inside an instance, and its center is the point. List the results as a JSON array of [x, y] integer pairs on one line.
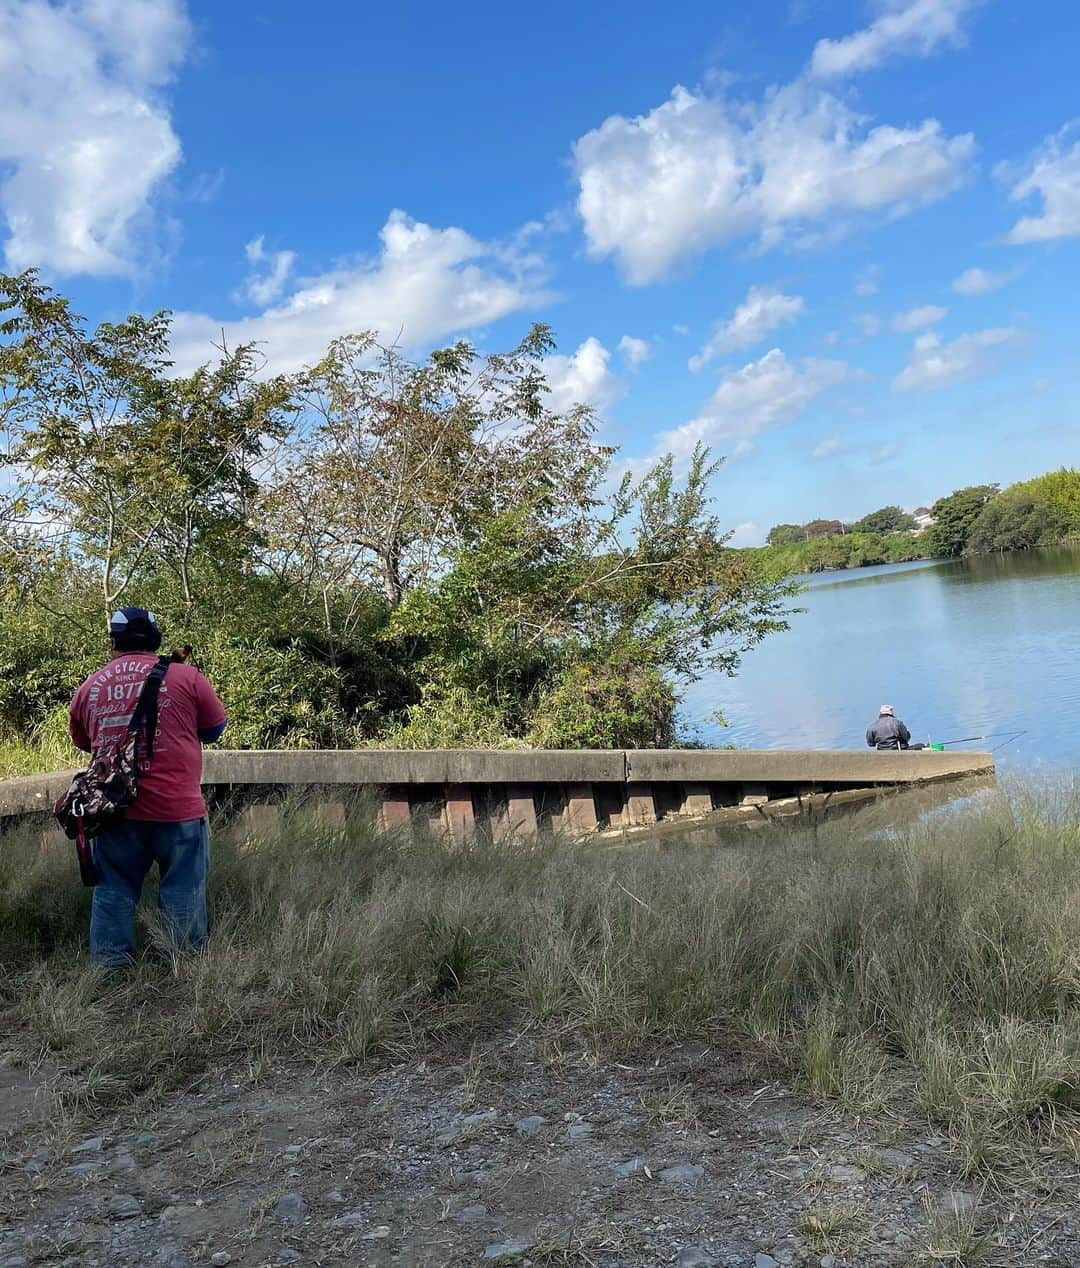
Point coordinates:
[[170, 788]]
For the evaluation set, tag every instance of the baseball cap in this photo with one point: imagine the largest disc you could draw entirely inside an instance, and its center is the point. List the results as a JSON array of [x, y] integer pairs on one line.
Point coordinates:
[[135, 626]]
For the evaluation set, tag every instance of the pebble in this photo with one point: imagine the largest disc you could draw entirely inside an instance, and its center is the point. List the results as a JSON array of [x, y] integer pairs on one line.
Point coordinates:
[[765, 1261], [694, 1257], [530, 1126], [378, 1234], [827, 1261], [220, 1258], [896, 1158], [631, 1167], [579, 1131], [84, 1168], [449, 1137], [335, 1197], [352, 1219], [484, 1116], [176, 1212], [682, 1173], [847, 1175], [91, 1146], [497, 1249], [123, 1162], [37, 1161], [473, 1213], [291, 1209], [288, 1255], [123, 1206]]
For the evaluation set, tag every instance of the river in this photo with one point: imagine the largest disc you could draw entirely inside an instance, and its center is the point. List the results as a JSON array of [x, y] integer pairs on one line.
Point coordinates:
[[987, 647]]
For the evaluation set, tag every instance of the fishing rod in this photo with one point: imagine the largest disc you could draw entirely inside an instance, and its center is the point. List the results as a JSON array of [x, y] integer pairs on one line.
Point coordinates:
[[1006, 737]]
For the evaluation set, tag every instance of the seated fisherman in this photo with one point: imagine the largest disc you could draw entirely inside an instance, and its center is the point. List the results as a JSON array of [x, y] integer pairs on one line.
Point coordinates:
[[888, 732]]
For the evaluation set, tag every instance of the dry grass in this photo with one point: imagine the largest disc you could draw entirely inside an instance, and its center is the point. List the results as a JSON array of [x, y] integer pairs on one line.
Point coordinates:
[[836, 1229], [942, 952], [952, 1237]]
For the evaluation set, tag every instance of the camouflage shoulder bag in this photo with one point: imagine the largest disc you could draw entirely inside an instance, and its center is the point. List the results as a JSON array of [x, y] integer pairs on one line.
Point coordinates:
[[98, 795]]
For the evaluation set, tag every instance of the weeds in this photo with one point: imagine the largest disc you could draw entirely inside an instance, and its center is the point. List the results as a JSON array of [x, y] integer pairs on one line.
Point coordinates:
[[951, 1236], [673, 1106], [834, 1229], [940, 953]]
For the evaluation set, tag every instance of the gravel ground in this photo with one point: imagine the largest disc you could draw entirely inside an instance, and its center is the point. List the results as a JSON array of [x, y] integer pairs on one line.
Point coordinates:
[[520, 1153]]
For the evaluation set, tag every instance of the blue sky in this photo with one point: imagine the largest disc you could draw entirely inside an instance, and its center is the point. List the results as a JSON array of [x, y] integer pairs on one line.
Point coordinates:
[[838, 241]]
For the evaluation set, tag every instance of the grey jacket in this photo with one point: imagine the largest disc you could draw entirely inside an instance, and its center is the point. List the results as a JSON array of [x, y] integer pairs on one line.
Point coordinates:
[[887, 732]]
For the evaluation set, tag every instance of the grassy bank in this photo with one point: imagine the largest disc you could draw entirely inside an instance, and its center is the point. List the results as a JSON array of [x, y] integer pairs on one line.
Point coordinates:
[[934, 964], [838, 552]]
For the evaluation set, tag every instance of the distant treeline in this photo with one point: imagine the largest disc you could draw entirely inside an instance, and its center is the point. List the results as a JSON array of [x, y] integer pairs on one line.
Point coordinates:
[[976, 520]]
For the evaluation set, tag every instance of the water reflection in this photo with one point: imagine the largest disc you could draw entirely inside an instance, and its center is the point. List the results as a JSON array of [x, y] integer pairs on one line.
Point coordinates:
[[960, 648]]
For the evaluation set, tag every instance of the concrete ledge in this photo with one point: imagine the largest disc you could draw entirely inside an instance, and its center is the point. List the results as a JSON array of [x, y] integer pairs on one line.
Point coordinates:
[[32, 793], [640, 769], [414, 766], [801, 766]]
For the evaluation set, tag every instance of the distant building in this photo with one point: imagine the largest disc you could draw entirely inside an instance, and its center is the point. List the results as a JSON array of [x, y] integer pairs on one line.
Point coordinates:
[[923, 517]]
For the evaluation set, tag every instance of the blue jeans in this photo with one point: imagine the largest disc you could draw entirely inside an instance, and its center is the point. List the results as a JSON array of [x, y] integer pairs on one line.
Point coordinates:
[[124, 855]]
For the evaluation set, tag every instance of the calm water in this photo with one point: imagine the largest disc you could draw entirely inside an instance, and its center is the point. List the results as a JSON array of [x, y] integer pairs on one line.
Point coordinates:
[[971, 648]]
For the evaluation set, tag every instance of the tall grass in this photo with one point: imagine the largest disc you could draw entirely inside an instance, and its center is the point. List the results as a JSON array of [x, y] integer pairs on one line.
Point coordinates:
[[941, 956]]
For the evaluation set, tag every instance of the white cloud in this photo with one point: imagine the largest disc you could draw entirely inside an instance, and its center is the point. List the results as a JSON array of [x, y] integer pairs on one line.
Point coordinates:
[[634, 350], [826, 447], [1053, 175], [868, 324], [934, 364], [85, 133], [762, 395], [866, 283], [980, 282], [917, 27], [698, 171], [762, 311], [270, 273], [748, 533], [582, 379], [917, 318], [424, 284]]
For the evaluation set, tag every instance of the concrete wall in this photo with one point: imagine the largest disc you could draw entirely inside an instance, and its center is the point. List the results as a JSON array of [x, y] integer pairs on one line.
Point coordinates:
[[517, 792]]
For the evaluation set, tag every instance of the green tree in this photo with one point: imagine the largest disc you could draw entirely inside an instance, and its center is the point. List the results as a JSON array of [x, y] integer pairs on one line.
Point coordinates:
[[589, 630], [1016, 519], [118, 465], [955, 517], [823, 528], [887, 519], [371, 550], [785, 534], [1060, 492]]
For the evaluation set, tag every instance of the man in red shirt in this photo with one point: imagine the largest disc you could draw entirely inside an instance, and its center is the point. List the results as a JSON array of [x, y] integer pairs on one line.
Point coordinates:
[[166, 823]]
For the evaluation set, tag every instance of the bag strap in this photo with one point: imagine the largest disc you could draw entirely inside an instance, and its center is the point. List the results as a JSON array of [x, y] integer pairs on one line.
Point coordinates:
[[146, 707]]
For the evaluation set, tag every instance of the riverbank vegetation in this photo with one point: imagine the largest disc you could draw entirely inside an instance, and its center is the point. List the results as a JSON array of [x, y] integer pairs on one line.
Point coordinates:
[[894, 960], [369, 551], [975, 520]]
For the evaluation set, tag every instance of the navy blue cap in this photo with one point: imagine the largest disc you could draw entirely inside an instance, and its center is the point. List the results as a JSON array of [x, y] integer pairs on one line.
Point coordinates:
[[135, 627]]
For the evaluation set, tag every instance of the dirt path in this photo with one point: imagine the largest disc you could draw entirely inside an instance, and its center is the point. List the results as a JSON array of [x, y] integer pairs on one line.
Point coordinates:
[[514, 1155]]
